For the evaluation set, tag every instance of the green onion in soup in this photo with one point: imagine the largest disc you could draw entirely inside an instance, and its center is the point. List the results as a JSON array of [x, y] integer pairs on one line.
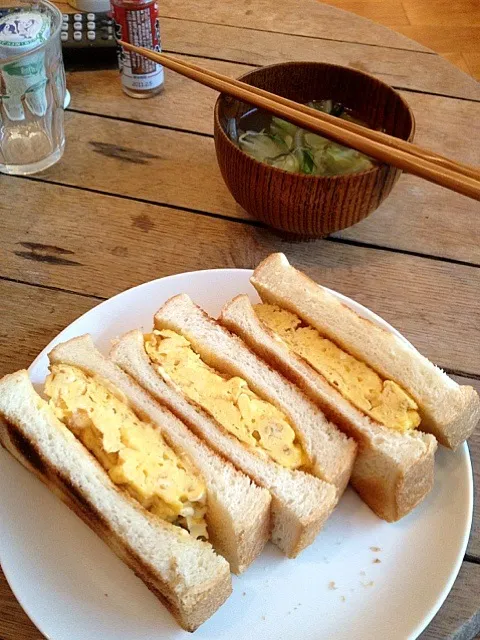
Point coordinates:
[[283, 145]]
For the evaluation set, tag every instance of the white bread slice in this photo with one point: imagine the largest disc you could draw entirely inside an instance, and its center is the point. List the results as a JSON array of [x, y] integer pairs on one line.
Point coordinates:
[[238, 512], [300, 502], [184, 573], [330, 452], [393, 472], [449, 411]]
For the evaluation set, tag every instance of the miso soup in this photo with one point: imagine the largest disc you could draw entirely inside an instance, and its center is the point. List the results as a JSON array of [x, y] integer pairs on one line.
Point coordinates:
[[284, 145]]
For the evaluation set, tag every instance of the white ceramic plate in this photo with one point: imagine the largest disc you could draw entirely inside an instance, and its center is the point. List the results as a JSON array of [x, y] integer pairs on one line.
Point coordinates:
[[74, 588]]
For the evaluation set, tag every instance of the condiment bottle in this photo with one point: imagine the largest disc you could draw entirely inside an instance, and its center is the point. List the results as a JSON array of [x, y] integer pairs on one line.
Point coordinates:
[[136, 22]]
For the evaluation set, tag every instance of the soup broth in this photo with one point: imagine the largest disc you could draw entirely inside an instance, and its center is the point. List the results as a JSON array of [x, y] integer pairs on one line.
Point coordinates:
[[284, 145]]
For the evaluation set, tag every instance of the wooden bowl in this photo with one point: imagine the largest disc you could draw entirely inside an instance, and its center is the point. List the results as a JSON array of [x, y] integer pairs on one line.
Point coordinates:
[[304, 205]]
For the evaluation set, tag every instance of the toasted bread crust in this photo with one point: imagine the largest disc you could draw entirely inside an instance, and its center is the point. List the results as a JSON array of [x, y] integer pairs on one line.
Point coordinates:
[[449, 411], [392, 472], [330, 452], [390, 489], [238, 528], [302, 530], [300, 503], [190, 608]]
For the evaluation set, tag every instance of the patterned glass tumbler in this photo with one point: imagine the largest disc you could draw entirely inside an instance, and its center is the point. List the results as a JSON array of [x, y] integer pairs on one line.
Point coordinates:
[[32, 88]]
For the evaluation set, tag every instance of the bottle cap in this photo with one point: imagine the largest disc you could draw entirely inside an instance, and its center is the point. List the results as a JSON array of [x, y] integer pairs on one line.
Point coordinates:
[[22, 31]]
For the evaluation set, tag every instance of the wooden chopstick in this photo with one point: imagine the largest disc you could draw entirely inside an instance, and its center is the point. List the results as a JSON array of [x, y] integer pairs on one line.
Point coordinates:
[[411, 158], [379, 136]]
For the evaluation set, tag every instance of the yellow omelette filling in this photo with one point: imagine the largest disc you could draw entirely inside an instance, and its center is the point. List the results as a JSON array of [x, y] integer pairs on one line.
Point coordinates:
[[230, 401], [133, 452], [382, 400]]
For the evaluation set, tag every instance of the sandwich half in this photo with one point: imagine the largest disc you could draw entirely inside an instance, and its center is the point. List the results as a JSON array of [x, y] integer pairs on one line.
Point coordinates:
[[300, 502], [445, 409], [153, 456], [393, 471], [183, 572], [292, 429]]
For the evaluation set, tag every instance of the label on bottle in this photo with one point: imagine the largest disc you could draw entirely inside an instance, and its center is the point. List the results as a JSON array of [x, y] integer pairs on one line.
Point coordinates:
[[138, 26]]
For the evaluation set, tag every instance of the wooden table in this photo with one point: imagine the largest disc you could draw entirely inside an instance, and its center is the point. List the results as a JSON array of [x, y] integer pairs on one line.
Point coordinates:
[[138, 195]]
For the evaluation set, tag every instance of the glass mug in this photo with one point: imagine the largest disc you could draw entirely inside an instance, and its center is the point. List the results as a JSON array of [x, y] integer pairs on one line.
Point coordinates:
[[32, 87]]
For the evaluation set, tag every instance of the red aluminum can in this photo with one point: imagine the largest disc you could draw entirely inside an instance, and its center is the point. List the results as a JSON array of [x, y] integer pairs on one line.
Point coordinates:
[[136, 22]]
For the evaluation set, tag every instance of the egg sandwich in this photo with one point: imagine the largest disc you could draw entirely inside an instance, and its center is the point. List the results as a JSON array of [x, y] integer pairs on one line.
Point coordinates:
[[97, 427], [247, 412], [182, 571], [370, 382]]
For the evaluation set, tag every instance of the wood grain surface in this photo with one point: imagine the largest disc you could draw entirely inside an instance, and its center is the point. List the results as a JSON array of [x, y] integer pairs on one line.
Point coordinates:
[[404, 221], [112, 156], [283, 16], [406, 290], [435, 23], [403, 69], [189, 106], [138, 195]]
